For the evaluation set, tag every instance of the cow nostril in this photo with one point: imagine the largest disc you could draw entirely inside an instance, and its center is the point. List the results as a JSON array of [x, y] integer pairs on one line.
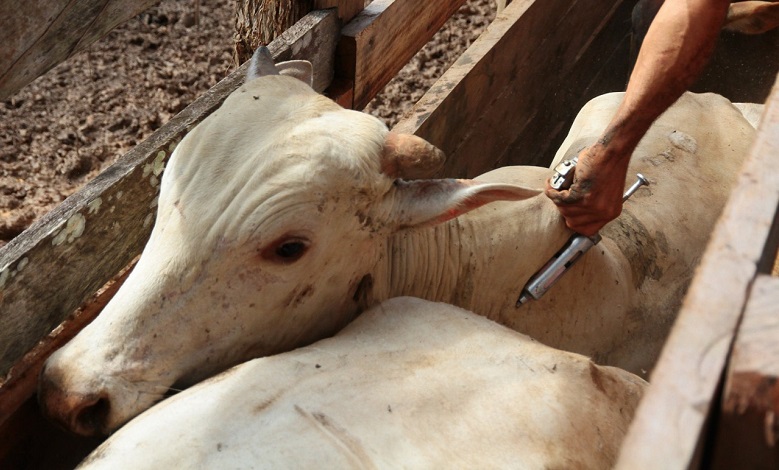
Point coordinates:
[[82, 412], [91, 417]]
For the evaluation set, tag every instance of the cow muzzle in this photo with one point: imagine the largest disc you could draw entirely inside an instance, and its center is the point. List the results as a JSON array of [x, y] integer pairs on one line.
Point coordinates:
[[85, 414]]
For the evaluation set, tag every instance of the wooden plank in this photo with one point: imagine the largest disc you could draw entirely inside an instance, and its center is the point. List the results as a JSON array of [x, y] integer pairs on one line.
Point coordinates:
[[379, 41], [748, 427], [347, 9], [38, 34], [51, 268], [512, 79], [535, 120], [599, 67], [20, 424], [22, 380], [670, 419]]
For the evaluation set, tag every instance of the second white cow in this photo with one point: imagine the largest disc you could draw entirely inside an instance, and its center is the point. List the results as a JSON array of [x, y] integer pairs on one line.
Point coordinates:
[[282, 216], [409, 384]]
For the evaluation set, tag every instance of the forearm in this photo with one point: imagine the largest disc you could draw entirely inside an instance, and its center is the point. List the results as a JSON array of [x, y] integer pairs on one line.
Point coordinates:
[[675, 50]]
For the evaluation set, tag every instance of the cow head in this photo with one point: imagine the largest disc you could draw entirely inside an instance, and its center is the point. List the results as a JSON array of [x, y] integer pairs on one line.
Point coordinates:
[[271, 212]]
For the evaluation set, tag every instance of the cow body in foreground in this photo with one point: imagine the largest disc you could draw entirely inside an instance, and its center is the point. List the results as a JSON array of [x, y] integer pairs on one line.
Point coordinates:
[[282, 216], [409, 384]]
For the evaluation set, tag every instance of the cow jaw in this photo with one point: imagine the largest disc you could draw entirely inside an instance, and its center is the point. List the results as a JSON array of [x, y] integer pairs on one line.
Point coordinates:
[[189, 324]]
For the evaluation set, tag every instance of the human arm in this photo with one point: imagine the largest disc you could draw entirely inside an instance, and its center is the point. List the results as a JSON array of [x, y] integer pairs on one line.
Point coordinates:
[[677, 45]]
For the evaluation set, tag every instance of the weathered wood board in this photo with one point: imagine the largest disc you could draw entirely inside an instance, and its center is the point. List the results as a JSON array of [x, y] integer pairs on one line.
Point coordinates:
[[669, 429], [36, 35], [382, 39], [22, 428], [512, 95], [51, 268]]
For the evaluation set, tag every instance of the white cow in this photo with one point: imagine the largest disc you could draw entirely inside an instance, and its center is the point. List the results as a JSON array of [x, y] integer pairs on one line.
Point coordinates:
[[281, 216], [409, 384]]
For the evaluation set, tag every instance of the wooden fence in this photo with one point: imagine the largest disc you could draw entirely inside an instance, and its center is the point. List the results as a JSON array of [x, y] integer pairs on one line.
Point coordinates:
[[727, 330], [509, 99], [59, 262]]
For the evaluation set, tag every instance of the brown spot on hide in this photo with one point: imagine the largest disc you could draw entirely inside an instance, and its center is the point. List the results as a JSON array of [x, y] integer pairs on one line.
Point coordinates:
[[263, 405], [298, 296], [464, 290], [641, 248], [351, 445]]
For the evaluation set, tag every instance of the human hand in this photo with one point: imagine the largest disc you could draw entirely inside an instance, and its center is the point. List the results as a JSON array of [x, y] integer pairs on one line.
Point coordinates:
[[595, 196]]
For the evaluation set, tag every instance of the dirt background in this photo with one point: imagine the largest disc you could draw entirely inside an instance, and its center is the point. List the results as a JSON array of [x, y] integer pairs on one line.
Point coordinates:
[[68, 125]]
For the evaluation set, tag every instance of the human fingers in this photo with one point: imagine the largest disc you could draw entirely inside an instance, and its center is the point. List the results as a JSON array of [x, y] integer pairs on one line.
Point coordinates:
[[562, 197], [585, 225]]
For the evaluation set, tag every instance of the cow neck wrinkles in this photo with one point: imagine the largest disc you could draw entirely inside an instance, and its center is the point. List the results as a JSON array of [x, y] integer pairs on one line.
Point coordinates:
[[458, 261]]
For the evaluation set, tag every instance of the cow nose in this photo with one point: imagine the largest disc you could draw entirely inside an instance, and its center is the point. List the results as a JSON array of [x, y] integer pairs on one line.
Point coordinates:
[[82, 413]]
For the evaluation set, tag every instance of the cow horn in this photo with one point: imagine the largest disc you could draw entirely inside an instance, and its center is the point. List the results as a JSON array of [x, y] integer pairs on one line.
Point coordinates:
[[410, 157], [261, 64]]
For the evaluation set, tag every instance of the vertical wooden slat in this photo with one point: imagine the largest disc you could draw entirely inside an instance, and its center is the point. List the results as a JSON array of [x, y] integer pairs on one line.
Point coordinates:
[[670, 422], [748, 428], [379, 41]]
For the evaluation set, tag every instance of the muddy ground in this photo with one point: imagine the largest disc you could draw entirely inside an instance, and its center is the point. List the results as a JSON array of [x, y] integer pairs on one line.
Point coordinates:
[[63, 129]]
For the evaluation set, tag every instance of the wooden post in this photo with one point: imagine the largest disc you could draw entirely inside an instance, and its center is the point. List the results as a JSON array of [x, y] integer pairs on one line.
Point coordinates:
[[258, 22], [382, 39]]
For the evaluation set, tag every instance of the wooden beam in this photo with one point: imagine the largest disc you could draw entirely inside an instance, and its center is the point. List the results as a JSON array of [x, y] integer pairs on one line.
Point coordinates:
[[61, 260], [522, 81], [670, 421], [748, 428], [379, 41], [37, 35], [347, 9], [22, 380]]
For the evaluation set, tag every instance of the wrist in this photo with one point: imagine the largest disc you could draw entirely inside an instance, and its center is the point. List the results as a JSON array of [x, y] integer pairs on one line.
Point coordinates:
[[608, 153], [619, 140]]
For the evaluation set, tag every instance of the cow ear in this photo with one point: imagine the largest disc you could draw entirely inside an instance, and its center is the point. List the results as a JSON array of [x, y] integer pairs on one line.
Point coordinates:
[[430, 202], [300, 69]]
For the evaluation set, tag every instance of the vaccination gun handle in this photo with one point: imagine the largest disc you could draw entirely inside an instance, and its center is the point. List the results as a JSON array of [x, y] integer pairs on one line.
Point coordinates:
[[566, 257]]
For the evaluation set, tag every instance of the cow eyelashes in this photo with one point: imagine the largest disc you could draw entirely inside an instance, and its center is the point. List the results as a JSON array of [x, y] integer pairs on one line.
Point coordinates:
[[286, 250]]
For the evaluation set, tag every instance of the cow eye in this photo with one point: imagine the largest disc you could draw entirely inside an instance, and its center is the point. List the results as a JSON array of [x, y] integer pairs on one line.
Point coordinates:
[[290, 250], [286, 250]]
